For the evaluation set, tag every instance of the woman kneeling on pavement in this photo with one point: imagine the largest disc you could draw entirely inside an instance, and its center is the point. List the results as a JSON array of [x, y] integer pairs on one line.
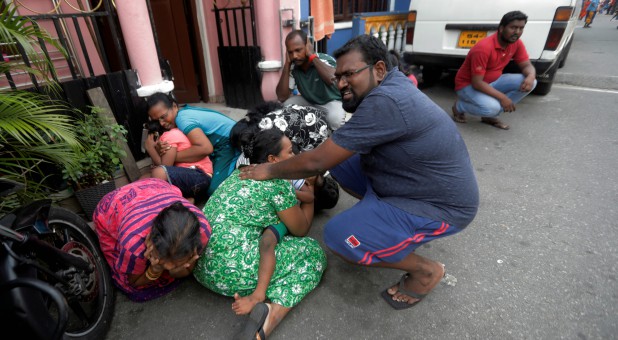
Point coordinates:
[[238, 262], [150, 236]]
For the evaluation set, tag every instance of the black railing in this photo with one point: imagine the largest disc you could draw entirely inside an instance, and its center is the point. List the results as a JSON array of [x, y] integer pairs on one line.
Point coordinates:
[[238, 58], [118, 82], [241, 11], [61, 24]]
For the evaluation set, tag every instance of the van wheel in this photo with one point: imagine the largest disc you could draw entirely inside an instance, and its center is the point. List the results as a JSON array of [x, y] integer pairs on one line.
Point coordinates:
[[542, 89], [431, 75]]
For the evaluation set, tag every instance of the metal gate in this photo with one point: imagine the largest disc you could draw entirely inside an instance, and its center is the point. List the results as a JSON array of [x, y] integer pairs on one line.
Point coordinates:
[[239, 55], [95, 23]]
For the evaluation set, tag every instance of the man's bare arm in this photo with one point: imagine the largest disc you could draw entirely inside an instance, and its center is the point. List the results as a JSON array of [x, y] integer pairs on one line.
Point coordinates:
[[307, 164]]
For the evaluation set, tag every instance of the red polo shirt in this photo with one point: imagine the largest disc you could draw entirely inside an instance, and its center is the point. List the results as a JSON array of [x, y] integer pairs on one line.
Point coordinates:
[[488, 58]]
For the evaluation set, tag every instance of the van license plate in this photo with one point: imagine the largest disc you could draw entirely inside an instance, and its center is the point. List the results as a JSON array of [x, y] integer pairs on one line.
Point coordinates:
[[467, 39]]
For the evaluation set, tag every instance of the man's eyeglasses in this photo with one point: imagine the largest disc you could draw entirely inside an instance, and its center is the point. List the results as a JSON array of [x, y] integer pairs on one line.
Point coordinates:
[[347, 75]]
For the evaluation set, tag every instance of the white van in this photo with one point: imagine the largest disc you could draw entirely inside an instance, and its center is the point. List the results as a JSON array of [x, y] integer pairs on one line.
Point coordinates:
[[443, 31]]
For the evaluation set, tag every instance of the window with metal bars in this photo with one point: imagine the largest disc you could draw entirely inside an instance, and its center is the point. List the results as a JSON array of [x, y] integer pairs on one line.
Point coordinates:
[[345, 9]]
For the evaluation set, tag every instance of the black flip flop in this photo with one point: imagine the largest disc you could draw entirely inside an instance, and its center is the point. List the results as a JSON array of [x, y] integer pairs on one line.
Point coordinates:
[[399, 305], [255, 323]]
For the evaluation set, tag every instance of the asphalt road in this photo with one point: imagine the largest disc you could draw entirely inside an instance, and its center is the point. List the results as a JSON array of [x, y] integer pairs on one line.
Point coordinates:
[[540, 261], [592, 60]]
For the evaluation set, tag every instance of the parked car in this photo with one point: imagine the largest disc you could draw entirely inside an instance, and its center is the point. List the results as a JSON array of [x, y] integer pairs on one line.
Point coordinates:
[[441, 32]]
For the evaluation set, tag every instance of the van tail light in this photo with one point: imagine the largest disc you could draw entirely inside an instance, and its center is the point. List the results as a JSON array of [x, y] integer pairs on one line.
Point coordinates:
[[410, 27], [558, 26]]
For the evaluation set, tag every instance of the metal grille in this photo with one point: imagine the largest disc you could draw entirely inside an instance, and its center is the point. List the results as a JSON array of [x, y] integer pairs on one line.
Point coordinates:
[[67, 29], [239, 55]]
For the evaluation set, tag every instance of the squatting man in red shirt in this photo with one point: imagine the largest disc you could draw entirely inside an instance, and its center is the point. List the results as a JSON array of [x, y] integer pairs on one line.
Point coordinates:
[[482, 89]]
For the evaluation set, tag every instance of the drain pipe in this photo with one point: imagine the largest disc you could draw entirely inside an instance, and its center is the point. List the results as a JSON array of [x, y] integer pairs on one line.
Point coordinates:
[[270, 40], [276, 65]]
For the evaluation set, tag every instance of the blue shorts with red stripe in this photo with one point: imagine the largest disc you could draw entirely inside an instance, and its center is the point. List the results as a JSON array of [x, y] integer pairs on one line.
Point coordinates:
[[373, 231]]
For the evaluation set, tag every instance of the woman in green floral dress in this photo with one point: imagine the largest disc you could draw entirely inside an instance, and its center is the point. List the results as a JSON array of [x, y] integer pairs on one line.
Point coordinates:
[[239, 211]]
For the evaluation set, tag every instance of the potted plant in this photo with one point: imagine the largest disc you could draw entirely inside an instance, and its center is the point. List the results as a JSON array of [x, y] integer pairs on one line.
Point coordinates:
[[99, 158], [36, 131]]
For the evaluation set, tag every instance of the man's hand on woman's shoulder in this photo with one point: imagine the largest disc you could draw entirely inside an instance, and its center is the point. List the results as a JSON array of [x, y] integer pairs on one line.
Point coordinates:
[[258, 172]]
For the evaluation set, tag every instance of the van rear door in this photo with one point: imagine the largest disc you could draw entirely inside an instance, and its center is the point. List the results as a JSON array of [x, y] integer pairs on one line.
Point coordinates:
[[451, 27]]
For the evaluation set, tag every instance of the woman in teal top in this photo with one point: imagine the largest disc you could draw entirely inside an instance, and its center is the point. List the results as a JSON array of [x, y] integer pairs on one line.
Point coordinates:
[[208, 130]]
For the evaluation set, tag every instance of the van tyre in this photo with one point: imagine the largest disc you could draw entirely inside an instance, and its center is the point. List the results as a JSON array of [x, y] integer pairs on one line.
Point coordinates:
[[542, 89]]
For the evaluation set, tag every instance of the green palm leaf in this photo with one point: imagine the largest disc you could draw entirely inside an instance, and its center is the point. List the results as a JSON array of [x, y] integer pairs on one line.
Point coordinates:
[[31, 118], [17, 31], [35, 131]]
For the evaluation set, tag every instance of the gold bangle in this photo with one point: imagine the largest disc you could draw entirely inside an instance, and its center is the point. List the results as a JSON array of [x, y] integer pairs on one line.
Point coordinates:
[[150, 275], [153, 274]]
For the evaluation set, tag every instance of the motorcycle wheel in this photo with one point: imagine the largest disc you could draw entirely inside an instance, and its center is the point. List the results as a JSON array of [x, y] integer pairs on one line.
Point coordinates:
[[90, 311]]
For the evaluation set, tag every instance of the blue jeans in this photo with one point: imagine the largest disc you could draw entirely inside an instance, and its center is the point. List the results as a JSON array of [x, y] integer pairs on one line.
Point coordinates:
[[191, 182], [477, 103]]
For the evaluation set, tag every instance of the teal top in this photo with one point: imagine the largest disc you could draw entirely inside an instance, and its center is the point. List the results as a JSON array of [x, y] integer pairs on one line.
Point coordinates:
[[216, 126]]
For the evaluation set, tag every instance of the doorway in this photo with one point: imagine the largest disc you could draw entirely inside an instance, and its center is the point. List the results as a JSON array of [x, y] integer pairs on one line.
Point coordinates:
[[177, 32]]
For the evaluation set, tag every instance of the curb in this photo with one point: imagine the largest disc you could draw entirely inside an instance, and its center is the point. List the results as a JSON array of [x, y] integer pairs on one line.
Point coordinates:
[[586, 80]]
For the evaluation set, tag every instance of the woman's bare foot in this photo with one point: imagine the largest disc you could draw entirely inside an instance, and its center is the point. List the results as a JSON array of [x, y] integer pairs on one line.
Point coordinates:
[[244, 304], [421, 283]]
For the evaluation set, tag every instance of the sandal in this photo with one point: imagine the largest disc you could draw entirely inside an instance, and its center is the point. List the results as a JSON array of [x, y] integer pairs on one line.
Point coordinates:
[[399, 305], [459, 117], [495, 122], [255, 324]]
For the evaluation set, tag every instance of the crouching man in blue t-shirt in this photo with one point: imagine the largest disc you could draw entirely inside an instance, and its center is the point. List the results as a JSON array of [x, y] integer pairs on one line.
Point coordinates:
[[403, 157]]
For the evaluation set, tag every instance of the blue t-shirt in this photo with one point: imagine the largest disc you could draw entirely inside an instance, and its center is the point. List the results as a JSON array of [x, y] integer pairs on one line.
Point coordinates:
[[412, 152], [216, 126], [594, 5]]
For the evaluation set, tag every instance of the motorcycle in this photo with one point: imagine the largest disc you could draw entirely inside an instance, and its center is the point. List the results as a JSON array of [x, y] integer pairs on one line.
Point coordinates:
[[54, 280]]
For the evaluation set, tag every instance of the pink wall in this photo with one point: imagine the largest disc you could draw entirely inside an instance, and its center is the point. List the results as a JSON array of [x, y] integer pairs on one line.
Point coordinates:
[[213, 42], [267, 22], [284, 4], [267, 17], [43, 7]]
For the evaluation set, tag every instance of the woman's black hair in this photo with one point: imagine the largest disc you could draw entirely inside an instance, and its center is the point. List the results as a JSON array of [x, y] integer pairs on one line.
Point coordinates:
[[249, 125], [159, 97], [175, 232], [262, 144], [371, 48], [153, 126]]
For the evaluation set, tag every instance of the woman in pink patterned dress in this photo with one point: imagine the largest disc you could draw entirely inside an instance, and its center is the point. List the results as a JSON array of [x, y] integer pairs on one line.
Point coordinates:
[[150, 236]]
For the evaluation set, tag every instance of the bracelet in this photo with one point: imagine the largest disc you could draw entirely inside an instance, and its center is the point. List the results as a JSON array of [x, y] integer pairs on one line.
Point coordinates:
[[152, 276], [311, 57]]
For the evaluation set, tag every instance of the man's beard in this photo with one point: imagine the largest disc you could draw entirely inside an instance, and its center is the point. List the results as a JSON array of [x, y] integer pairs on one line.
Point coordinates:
[[507, 39], [351, 105]]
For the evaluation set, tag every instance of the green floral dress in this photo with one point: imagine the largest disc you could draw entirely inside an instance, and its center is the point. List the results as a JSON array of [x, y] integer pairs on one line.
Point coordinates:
[[239, 211]]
